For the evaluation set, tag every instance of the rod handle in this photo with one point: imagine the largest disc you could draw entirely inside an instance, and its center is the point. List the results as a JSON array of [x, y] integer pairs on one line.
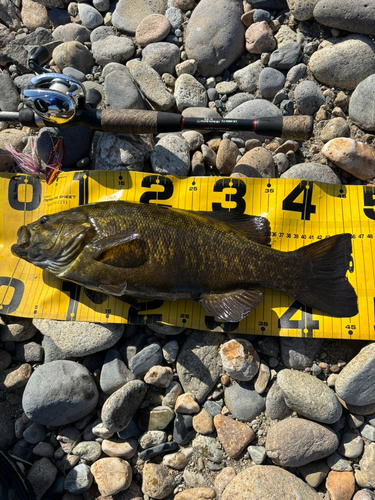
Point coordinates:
[[136, 121]]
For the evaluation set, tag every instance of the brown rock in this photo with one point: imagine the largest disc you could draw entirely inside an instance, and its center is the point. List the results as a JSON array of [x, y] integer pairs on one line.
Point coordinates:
[[260, 159], [367, 464], [15, 379], [361, 480], [259, 38], [196, 494], [239, 359], [262, 378], [151, 29], [233, 435], [34, 15], [340, 485], [17, 330], [247, 17], [214, 144], [119, 448], [287, 146], [355, 157], [337, 127], [112, 475], [186, 404], [314, 473], [203, 422], [157, 482], [73, 54], [160, 376], [226, 156], [197, 164], [224, 477]]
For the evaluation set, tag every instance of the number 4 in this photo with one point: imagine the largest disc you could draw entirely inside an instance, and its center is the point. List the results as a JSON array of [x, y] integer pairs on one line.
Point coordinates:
[[306, 208]]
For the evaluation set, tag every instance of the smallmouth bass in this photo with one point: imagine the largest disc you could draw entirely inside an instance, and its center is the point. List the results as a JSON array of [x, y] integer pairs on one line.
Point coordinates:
[[141, 251]]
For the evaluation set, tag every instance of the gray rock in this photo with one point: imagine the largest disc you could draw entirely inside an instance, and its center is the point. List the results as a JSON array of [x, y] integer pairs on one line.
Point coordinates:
[[330, 64], [247, 78], [74, 73], [161, 56], [58, 17], [121, 93], [256, 108], [354, 383], [31, 352], [337, 463], [257, 454], [129, 13], [312, 172], [208, 447], [236, 99], [362, 104], [341, 15], [294, 442], [41, 476], [71, 32], [9, 96], [145, 359], [367, 464], [152, 438], [270, 82], [296, 73], [116, 49], [368, 432], [308, 97], [73, 54], [261, 15], [270, 5], [170, 351], [302, 10], [114, 373], [309, 396], [69, 395], [76, 338], [243, 401], [87, 450], [90, 17], [276, 407], [101, 33], [120, 151], [101, 5], [285, 57], [18, 49], [189, 92], [151, 85], [298, 353], [7, 434], [35, 433], [262, 482], [171, 156], [174, 16], [78, 479], [215, 41], [351, 445], [6, 36], [10, 15], [198, 363], [120, 407]]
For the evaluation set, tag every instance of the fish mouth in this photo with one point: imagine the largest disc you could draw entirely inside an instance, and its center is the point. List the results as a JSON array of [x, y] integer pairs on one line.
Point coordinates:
[[23, 241]]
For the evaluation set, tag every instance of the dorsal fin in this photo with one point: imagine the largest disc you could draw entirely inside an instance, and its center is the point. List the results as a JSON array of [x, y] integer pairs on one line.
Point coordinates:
[[255, 227]]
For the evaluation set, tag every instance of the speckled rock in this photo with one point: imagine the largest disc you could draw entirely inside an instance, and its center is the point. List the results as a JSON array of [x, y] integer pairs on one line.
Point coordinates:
[[224, 477], [309, 396], [337, 127], [178, 460], [367, 464], [302, 10], [198, 363], [243, 401], [203, 422], [128, 14], [41, 476], [294, 442], [258, 158], [161, 56], [267, 482], [112, 475], [116, 49], [208, 447], [233, 435], [73, 54], [196, 494], [354, 383], [276, 407], [215, 42], [226, 156], [312, 172], [17, 329], [160, 376], [247, 78], [259, 38], [330, 64], [357, 158], [240, 359], [171, 156], [189, 92], [88, 450], [341, 16], [151, 29], [308, 97], [157, 482], [340, 485]]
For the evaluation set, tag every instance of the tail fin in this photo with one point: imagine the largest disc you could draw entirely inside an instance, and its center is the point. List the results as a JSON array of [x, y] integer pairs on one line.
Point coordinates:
[[326, 287]]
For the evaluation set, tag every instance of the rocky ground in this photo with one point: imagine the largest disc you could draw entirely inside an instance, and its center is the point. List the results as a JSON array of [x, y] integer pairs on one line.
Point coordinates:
[[94, 411]]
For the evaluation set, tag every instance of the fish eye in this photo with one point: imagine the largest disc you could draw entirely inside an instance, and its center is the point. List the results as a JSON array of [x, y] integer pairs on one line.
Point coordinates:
[[43, 220]]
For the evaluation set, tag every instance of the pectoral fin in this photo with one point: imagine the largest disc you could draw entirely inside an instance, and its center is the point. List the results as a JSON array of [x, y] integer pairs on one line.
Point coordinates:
[[231, 306], [126, 250]]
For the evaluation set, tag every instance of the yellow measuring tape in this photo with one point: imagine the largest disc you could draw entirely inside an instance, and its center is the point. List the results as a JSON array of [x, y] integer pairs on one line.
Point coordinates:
[[300, 212]]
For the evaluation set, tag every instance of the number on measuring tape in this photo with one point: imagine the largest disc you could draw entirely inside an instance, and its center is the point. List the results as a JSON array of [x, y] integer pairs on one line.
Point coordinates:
[[83, 187], [157, 180], [306, 208], [237, 197], [306, 324], [369, 202], [141, 316], [13, 193], [18, 289]]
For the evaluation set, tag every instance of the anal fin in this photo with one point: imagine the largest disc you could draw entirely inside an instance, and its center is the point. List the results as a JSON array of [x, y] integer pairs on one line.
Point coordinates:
[[231, 306]]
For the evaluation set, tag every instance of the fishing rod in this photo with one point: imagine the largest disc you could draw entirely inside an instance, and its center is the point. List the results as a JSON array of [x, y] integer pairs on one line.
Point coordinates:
[[57, 100]]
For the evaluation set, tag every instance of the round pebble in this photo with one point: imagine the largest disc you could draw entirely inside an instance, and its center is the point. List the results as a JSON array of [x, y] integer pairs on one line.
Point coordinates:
[[112, 475]]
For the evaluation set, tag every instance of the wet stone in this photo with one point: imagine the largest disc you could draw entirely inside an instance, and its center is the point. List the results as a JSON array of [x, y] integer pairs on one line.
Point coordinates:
[[159, 449], [183, 430]]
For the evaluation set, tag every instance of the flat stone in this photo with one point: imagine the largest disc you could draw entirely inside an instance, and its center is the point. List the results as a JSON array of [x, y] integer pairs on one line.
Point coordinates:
[[215, 42], [41, 476], [79, 338], [145, 359], [183, 430], [353, 383], [355, 157], [90, 17], [266, 482], [178, 460], [198, 363], [314, 473], [341, 16], [361, 104], [340, 485], [112, 475], [151, 29], [296, 73], [171, 394], [233, 435], [367, 464], [162, 57], [196, 494], [330, 64], [128, 14], [157, 482], [263, 378], [270, 82], [243, 401], [285, 57], [116, 49], [158, 450], [294, 442], [258, 158], [120, 407], [114, 373], [309, 396], [310, 171], [73, 54], [351, 445], [70, 395], [171, 156]]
